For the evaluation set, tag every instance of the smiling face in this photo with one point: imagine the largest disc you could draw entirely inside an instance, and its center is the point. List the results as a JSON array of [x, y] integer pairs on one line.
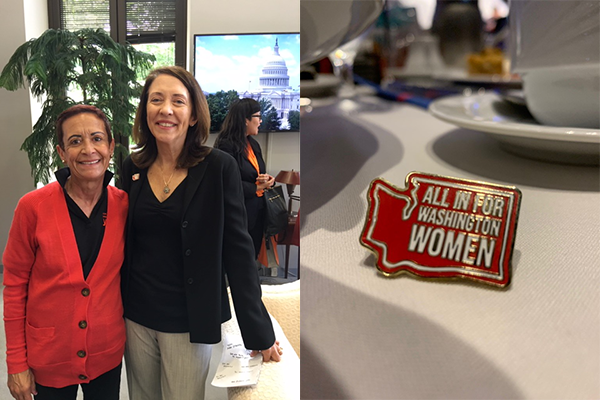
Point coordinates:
[[252, 124], [86, 149], [169, 110]]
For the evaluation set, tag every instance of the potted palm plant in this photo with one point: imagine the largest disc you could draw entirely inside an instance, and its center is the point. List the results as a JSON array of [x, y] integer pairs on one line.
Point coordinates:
[[63, 68]]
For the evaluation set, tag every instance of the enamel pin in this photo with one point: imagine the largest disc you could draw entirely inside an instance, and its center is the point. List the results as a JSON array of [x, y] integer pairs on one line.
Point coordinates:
[[443, 227]]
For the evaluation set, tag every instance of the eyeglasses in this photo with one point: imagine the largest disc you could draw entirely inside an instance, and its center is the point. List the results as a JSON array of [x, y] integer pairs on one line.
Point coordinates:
[[257, 116]]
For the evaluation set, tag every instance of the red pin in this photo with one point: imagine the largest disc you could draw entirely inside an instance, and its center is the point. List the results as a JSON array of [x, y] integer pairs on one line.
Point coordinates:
[[443, 227]]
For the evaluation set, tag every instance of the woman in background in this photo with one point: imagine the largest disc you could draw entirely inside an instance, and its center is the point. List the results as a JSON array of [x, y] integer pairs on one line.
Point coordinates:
[[63, 312], [186, 233], [241, 123]]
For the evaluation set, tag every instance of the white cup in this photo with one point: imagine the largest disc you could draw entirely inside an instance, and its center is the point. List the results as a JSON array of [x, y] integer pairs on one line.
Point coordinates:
[[565, 95], [555, 47], [328, 24]]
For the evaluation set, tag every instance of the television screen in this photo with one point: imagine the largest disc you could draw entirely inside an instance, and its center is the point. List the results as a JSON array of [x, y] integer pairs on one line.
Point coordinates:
[[265, 67]]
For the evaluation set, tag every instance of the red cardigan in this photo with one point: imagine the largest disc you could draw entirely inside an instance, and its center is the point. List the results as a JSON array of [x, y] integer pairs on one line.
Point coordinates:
[[66, 329]]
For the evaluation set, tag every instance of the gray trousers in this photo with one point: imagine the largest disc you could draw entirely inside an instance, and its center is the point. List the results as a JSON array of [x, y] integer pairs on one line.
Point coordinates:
[[164, 366]]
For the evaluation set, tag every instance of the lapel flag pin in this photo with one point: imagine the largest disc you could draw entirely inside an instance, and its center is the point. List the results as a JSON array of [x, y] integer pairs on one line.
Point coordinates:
[[443, 227]]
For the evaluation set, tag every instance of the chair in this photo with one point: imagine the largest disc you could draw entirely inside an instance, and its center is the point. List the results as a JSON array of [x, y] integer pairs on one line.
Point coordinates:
[[291, 235]]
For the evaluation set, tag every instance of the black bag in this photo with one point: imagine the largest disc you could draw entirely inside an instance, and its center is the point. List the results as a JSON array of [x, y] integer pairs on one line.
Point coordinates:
[[276, 214]]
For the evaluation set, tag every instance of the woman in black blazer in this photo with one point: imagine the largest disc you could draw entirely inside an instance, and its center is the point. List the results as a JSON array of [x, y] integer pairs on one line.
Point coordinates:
[[186, 231], [241, 123]]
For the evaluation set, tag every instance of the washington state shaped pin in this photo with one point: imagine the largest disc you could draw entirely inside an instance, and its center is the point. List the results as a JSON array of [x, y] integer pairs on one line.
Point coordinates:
[[443, 227]]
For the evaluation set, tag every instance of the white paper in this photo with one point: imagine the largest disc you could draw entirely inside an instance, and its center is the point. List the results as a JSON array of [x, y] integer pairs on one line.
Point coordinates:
[[237, 368]]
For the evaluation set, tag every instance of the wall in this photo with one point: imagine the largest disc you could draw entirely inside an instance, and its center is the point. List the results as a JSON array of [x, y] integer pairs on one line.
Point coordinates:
[[36, 22], [281, 150], [240, 16], [15, 113]]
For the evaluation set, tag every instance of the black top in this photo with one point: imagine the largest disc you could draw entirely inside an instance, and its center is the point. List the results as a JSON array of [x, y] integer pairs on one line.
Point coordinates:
[[254, 204], [157, 298], [214, 243], [89, 232]]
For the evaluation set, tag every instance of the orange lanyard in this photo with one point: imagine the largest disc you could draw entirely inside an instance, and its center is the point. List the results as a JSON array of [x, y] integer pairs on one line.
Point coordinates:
[[254, 162]]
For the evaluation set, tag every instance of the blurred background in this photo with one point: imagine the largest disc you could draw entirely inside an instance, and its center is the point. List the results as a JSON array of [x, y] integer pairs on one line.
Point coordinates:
[[488, 91], [409, 39]]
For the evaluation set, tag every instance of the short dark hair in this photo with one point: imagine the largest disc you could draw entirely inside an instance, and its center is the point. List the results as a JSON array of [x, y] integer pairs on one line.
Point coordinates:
[[193, 150], [75, 110], [233, 130]]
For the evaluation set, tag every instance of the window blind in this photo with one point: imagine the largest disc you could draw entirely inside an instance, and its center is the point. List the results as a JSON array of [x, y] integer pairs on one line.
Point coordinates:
[[133, 21], [150, 21], [79, 14]]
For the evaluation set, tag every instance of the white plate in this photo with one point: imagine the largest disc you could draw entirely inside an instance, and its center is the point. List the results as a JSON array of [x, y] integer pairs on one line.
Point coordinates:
[[462, 76], [516, 129]]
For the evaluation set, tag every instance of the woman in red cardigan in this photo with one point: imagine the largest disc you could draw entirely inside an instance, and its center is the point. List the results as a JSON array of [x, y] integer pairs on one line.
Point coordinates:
[[62, 304]]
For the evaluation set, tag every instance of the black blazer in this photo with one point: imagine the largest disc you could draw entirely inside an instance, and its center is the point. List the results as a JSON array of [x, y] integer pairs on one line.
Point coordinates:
[[215, 243], [248, 173]]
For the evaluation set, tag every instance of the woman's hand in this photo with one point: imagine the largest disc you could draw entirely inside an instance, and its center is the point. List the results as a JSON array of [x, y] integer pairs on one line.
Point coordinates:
[[22, 385], [264, 181], [273, 353]]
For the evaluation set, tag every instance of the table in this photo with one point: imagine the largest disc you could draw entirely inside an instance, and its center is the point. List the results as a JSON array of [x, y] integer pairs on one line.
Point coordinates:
[[366, 336], [278, 380]]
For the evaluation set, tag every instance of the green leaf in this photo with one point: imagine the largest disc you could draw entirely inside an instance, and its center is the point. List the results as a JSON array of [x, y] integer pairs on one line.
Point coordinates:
[[88, 60]]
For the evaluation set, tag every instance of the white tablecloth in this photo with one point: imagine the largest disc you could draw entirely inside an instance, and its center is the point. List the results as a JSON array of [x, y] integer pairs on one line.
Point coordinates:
[[365, 336]]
